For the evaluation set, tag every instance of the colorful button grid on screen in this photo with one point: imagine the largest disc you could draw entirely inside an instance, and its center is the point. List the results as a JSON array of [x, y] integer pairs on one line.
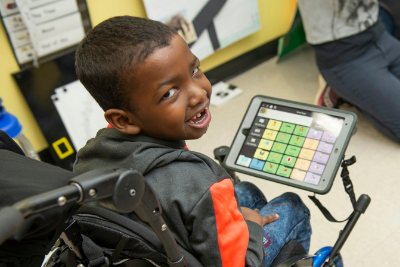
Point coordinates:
[[311, 143], [288, 160], [274, 157], [265, 144], [302, 164], [283, 137], [293, 151], [257, 164], [314, 134], [296, 140], [284, 171], [244, 161], [287, 127], [261, 154], [287, 150], [306, 154], [312, 178], [301, 130], [298, 175], [321, 157], [270, 134], [316, 167], [274, 125], [279, 147], [270, 167]]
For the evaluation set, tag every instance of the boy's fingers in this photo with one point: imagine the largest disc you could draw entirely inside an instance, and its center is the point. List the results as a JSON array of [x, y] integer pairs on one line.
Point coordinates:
[[269, 218]]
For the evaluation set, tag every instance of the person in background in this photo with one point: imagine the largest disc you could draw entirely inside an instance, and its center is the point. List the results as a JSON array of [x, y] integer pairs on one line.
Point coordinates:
[[358, 59]]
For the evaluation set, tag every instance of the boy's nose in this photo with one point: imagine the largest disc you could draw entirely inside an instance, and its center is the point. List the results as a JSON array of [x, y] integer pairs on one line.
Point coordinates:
[[197, 95]]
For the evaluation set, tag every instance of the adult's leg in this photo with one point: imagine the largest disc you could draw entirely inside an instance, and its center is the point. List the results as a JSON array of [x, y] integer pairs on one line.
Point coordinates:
[[293, 224], [369, 84], [391, 48], [250, 196]]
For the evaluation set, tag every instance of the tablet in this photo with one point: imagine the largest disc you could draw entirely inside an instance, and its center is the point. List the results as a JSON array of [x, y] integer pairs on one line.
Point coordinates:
[[292, 143]]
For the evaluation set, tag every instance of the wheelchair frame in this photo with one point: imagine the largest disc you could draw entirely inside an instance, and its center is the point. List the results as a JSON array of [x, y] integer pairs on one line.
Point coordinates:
[[125, 191]]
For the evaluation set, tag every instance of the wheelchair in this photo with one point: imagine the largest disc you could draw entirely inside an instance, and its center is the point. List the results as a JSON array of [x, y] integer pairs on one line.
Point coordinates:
[[97, 234]]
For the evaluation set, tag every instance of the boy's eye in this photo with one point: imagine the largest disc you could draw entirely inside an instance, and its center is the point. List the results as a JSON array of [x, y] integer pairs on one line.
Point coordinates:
[[195, 71], [170, 93]]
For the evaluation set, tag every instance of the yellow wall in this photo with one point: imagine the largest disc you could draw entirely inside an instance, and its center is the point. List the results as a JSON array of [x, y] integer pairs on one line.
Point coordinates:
[[276, 17]]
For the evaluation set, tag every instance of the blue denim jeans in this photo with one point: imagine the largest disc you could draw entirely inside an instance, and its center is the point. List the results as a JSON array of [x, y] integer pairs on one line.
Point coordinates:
[[293, 222], [371, 83]]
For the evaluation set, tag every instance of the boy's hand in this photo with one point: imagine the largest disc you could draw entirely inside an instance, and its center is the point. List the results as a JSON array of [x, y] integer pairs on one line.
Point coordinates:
[[254, 216]]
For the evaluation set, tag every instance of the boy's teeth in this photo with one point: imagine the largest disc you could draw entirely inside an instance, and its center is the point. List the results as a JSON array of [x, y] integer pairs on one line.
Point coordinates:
[[190, 121], [194, 117], [198, 115]]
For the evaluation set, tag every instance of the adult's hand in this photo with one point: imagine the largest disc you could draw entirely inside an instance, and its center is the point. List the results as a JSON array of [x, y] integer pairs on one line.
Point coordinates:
[[177, 22]]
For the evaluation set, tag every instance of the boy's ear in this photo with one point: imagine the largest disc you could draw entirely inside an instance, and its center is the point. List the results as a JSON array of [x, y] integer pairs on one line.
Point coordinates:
[[122, 121]]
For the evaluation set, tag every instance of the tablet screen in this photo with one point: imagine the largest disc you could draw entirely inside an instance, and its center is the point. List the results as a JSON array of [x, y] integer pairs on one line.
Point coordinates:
[[289, 142]]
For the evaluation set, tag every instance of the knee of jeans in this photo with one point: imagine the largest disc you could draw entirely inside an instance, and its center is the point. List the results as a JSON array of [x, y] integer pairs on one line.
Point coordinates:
[[295, 200], [246, 187], [247, 184]]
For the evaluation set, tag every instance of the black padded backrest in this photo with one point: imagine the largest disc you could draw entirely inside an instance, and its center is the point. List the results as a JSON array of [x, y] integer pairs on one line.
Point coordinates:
[[22, 177], [97, 222]]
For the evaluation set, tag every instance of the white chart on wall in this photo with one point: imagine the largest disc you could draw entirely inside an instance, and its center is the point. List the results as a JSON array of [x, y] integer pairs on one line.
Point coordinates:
[[81, 115], [235, 20]]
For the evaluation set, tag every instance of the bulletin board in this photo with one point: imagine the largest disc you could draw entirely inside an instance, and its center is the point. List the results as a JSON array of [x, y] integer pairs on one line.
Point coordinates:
[[42, 30]]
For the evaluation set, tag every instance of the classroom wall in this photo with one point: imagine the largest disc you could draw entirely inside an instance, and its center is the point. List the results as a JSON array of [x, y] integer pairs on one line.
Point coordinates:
[[275, 15]]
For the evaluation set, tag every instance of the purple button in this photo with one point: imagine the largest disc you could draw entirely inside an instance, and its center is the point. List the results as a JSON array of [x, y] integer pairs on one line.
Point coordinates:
[[316, 167], [325, 147], [328, 137], [312, 178], [321, 157], [314, 134]]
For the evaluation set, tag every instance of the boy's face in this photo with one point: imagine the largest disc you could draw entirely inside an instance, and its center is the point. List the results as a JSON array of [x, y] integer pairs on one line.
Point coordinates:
[[171, 94]]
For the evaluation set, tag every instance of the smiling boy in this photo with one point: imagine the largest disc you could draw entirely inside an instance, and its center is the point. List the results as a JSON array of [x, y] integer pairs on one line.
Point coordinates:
[[173, 93], [155, 96]]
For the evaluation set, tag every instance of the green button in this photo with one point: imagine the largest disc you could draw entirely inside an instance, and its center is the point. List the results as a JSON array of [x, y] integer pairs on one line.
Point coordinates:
[[270, 167], [274, 157], [296, 140], [301, 130], [283, 137], [287, 127], [293, 151], [284, 171], [288, 160], [279, 147]]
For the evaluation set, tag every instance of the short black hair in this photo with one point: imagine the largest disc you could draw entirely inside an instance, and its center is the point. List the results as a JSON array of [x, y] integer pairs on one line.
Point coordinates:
[[109, 52]]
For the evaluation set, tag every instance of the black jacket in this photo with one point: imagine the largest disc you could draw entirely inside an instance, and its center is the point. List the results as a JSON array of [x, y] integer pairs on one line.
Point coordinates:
[[196, 194]]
